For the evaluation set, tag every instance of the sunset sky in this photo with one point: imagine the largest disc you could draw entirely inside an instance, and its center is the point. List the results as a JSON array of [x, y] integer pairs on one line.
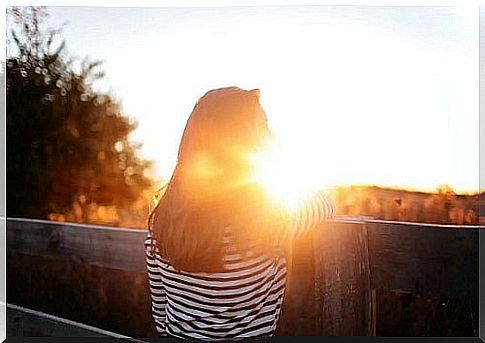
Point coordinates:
[[382, 95]]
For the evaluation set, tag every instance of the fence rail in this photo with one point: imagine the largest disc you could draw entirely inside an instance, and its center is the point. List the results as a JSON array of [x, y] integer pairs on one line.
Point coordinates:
[[24, 322], [358, 269]]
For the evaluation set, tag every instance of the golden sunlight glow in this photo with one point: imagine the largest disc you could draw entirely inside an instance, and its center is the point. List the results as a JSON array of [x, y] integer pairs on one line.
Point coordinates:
[[285, 173], [347, 113]]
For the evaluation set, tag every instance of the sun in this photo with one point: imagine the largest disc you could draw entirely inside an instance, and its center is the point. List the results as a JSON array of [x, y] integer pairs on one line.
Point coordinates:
[[286, 173]]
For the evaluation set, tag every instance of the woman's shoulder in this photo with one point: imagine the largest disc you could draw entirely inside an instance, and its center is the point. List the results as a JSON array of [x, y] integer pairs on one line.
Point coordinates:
[[151, 248], [149, 238]]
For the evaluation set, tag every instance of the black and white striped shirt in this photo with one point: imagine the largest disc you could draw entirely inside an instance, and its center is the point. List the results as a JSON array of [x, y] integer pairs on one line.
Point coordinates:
[[241, 302]]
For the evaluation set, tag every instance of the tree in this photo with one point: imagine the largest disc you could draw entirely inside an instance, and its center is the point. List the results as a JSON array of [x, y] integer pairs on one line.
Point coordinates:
[[439, 206], [67, 145]]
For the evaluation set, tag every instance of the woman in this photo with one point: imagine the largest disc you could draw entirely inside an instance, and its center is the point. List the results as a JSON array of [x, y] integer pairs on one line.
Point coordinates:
[[216, 245]]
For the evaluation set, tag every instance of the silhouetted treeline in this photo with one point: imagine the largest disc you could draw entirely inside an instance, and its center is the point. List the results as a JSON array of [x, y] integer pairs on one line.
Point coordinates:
[[68, 153]]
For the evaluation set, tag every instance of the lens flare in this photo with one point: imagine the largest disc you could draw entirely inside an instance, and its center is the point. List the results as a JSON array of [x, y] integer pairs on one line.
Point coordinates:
[[285, 173]]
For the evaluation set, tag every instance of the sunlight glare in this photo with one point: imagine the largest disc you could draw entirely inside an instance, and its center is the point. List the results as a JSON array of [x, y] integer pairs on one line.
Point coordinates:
[[285, 173]]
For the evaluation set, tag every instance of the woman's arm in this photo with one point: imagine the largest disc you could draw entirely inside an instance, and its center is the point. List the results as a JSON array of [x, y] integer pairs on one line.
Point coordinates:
[[315, 209], [157, 291]]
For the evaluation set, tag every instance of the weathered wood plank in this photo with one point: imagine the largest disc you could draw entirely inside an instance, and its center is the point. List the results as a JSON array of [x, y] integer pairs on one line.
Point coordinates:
[[342, 289], [424, 259], [110, 299], [418, 315], [95, 245], [24, 322]]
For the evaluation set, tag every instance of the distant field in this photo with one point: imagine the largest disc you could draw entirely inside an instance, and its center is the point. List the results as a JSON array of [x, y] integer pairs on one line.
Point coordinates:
[[442, 207]]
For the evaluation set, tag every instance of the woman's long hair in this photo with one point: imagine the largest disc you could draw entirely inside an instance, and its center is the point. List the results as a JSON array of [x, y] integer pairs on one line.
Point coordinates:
[[210, 188]]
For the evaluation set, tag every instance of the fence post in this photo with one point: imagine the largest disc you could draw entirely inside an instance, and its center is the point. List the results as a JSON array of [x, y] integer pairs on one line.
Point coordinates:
[[342, 280]]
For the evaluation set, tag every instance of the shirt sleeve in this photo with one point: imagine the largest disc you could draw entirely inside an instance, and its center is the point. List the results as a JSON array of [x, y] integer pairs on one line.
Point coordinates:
[[157, 290], [318, 207]]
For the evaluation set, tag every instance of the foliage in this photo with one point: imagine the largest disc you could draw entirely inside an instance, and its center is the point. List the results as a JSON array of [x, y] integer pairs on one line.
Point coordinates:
[[67, 145], [442, 207]]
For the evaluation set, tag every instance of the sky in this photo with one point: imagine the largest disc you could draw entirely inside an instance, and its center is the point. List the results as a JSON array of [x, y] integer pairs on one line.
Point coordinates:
[[357, 94]]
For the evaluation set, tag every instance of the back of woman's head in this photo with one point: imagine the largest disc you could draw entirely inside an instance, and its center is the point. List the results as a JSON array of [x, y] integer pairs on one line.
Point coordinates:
[[224, 125], [210, 188]]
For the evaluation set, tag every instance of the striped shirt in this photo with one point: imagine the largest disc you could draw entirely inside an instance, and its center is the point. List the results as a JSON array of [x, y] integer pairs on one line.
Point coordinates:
[[241, 302]]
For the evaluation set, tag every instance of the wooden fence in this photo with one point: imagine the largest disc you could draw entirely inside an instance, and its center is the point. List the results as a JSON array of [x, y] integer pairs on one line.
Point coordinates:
[[362, 278], [24, 322]]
